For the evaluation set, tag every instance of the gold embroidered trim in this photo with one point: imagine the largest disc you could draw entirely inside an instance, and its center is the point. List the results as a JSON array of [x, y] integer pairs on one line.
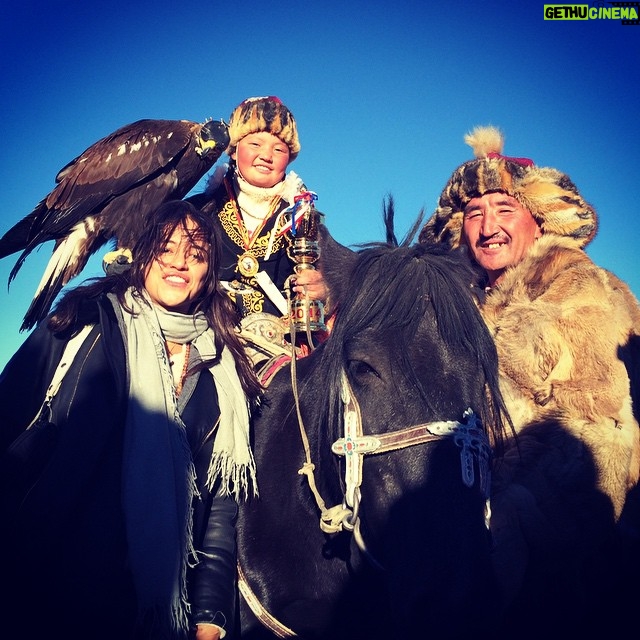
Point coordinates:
[[258, 244]]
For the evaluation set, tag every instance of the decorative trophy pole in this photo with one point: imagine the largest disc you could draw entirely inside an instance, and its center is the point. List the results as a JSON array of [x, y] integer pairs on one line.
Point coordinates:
[[305, 314]]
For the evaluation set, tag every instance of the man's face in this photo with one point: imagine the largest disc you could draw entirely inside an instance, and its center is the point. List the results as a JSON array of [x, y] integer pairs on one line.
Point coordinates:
[[499, 232]]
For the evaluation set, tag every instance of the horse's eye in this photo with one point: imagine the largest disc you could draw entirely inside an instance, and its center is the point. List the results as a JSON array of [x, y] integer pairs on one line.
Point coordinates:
[[360, 369]]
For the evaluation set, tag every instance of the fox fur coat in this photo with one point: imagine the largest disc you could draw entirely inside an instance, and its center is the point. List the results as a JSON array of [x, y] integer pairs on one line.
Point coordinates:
[[568, 339]]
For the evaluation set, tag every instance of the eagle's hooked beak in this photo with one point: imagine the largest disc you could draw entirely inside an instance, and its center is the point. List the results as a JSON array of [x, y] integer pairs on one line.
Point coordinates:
[[214, 135], [206, 147]]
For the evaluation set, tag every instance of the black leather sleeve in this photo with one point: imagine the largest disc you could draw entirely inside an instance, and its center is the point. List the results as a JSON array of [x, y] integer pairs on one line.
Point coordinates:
[[212, 587], [212, 581]]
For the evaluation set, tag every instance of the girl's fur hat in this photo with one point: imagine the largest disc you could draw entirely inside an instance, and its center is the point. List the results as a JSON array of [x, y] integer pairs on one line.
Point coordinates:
[[550, 196], [266, 113]]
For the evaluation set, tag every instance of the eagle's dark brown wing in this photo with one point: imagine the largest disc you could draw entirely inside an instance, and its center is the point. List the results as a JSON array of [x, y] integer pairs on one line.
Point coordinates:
[[106, 193]]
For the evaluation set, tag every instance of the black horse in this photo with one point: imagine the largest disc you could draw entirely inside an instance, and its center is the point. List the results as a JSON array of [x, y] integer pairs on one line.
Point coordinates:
[[382, 537]]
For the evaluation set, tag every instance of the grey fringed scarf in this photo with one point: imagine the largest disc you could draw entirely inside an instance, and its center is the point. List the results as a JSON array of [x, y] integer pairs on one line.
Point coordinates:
[[158, 473]]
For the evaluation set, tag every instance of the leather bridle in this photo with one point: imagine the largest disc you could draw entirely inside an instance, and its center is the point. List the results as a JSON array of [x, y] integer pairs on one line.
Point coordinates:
[[468, 435]]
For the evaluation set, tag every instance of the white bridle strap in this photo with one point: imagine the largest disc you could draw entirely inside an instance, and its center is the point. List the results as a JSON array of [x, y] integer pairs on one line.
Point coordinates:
[[468, 435]]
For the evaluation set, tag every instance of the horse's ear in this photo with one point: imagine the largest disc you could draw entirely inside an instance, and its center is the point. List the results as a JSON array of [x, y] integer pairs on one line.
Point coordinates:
[[336, 262]]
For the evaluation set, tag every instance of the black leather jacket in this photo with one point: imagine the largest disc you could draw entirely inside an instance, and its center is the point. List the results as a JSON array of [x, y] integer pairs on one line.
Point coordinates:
[[66, 530]]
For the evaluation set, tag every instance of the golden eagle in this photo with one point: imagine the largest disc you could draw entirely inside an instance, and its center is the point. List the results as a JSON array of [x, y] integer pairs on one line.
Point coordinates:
[[105, 194]]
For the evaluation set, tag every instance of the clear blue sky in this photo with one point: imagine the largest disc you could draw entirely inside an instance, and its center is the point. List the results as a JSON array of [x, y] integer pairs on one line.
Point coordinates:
[[383, 93]]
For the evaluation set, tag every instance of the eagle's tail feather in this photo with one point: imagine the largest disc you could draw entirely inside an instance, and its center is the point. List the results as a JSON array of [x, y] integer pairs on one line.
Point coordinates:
[[68, 260]]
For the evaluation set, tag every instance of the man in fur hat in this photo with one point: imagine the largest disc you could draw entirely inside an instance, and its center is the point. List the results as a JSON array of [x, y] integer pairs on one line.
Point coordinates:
[[567, 334]]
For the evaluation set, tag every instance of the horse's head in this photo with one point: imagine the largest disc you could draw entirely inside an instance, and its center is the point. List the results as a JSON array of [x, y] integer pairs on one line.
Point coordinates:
[[408, 338], [409, 335], [411, 341]]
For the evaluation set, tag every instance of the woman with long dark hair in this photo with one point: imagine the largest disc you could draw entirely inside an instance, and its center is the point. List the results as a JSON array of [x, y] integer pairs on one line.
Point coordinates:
[[120, 499]]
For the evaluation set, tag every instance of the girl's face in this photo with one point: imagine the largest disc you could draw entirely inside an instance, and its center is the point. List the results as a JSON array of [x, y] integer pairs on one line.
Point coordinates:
[[176, 277], [262, 159]]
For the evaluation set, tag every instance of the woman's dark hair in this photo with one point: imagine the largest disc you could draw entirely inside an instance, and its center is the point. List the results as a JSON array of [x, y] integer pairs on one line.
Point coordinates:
[[213, 302]]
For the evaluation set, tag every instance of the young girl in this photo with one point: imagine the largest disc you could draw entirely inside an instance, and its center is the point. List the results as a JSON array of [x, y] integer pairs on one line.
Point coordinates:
[[247, 199]]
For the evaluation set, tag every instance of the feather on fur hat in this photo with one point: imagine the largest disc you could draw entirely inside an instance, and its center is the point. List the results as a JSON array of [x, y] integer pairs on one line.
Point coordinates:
[[550, 195], [266, 113]]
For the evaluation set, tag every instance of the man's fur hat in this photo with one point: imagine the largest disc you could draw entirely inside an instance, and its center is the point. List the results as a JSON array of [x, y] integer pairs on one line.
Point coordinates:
[[550, 196], [266, 113]]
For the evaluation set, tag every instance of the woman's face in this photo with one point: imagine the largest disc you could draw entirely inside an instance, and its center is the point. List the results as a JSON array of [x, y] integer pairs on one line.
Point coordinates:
[[262, 159], [176, 277]]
